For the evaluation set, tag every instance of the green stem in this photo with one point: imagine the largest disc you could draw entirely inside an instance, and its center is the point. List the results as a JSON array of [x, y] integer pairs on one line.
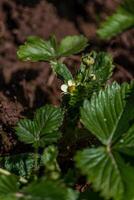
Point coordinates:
[[36, 160]]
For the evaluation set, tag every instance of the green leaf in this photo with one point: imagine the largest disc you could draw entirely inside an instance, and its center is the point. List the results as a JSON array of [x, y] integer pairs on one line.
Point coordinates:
[[70, 177], [115, 24], [50, 155], [89, 195], [102, 170], [109, 113], [53, 42], [72, 45], [36, 49], [95, 70], [102, 67], [48, 119], [108, 116], [49, 158], [8, 197], [108, 173], [27, 131], [128, 176], [62, 71], [126, 143], [8, 185], [50, 138], [71, 194], [43, 129], [128, 5], [21, 164], [47, 189], [106, 170]]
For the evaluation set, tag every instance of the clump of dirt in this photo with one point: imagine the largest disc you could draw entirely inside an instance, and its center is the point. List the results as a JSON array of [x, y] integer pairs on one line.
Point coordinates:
[[10, 111], [25, 86]]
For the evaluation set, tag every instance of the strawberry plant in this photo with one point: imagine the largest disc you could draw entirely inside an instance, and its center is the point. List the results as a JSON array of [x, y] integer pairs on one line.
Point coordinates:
[[88, 140]]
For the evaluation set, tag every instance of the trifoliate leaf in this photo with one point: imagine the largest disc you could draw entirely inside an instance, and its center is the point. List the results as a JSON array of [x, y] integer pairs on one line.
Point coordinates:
[[126, 143], [72, 45], [48, 190], [36, 49], [115, 24], [109, 113], [21, 164], [62, 71], [43, 129]]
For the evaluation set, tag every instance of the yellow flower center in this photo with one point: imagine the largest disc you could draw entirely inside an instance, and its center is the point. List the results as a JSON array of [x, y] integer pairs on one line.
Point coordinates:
[[71, 88]]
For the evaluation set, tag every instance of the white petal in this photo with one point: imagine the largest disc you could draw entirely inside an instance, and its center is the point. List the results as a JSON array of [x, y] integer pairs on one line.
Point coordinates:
[[71, 82], [64, 87]]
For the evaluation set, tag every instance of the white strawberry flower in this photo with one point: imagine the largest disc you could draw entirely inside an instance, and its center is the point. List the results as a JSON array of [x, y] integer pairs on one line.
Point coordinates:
[[64, 88], [69, 87]]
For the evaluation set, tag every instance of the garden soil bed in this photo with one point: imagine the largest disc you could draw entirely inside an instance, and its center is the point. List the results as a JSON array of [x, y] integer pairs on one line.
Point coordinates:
[[26, 86]]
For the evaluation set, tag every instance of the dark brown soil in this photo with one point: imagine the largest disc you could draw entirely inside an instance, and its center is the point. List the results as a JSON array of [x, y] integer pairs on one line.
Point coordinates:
[[26, 86]]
